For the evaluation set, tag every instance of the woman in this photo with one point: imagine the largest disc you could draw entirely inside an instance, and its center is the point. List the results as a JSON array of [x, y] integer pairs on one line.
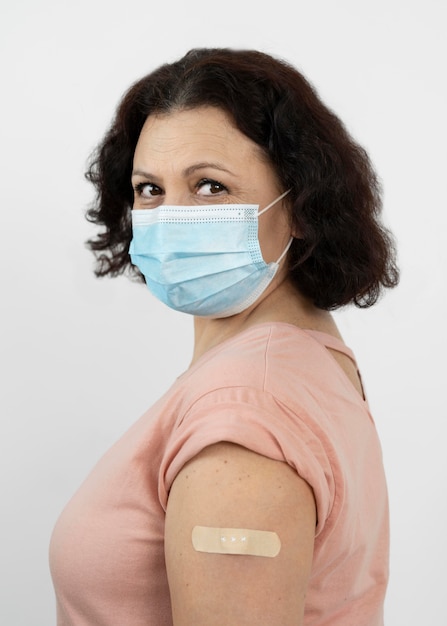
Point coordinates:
[[253, 491]]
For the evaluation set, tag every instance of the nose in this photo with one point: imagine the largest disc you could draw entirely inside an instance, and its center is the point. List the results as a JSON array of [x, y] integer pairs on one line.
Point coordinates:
[[176, 197]]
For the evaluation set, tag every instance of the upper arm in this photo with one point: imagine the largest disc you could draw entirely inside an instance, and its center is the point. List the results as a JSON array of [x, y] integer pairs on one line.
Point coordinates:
[[229, 486]]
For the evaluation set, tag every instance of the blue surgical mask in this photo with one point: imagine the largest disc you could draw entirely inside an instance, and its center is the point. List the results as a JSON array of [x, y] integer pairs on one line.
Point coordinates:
[[203, 260]]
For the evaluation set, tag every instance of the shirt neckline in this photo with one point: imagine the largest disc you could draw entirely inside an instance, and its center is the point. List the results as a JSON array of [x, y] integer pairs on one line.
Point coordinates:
[[324, 339]]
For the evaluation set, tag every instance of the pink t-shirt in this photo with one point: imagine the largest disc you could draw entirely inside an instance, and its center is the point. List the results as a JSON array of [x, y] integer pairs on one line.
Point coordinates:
[[278, 391]]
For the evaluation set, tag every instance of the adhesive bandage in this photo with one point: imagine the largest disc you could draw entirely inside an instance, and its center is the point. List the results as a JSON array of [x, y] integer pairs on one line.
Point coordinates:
[[235, 541]]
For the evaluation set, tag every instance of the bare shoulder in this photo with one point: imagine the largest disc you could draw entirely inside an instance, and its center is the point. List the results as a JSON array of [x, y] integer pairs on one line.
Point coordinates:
[[228, 486]]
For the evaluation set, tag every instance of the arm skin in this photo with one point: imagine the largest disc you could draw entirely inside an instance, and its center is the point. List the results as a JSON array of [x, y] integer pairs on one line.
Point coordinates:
[[229, 486]]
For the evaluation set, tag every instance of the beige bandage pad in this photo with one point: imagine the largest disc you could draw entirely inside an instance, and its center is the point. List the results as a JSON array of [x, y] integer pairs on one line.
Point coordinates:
[[235, 541]]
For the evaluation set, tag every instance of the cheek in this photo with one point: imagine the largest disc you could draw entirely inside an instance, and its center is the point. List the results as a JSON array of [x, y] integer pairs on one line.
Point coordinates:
[[274, 234]]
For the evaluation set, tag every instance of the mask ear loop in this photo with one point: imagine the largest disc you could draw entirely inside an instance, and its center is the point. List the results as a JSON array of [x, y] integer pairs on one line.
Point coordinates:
[[285, 251], [274, 202]]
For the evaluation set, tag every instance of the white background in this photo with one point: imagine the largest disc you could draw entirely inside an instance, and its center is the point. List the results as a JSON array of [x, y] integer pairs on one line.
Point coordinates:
[[82, 358]]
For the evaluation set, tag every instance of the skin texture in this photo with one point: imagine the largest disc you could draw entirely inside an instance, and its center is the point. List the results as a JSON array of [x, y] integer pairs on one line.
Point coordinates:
[[227, 485], [194, 157]]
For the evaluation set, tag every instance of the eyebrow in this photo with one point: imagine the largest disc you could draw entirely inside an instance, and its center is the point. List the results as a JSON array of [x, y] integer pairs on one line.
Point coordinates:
[[188, 170]]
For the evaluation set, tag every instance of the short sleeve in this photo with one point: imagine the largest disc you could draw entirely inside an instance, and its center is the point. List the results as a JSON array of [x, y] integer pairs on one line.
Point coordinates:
[[257, 421]]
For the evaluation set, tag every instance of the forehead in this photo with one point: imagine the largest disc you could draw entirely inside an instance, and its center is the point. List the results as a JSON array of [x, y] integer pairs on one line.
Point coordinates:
[[204, 132]]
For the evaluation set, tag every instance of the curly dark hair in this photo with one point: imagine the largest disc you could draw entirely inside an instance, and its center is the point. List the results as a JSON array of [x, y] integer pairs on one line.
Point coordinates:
[[345, 254]]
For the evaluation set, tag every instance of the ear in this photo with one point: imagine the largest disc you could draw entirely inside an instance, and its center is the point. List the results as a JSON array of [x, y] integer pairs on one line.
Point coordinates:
[[295, 230], [296, 233]]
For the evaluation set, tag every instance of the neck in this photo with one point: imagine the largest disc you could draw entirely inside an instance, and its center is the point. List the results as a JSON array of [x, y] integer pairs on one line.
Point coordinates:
[[284, 304]]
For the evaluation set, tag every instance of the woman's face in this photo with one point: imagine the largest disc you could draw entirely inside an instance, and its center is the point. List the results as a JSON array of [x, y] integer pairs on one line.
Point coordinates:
[[198, 156]]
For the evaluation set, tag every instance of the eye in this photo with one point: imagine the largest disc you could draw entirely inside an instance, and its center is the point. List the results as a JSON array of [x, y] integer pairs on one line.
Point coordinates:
[[210, 187], [147, 190]]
